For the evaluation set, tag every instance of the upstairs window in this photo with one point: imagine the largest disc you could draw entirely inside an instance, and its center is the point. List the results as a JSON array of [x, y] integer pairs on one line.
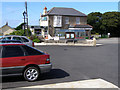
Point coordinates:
[[66, 20], [57, 21], [77, 20]]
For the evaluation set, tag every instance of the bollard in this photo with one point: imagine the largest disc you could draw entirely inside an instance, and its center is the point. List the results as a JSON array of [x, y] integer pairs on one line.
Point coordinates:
[[94, 42]]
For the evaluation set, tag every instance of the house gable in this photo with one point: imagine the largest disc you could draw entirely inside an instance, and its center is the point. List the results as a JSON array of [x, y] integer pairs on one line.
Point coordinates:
[[6, 30]]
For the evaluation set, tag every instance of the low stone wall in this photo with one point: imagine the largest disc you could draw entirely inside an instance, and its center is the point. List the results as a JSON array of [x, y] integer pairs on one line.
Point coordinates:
[[89, 42]]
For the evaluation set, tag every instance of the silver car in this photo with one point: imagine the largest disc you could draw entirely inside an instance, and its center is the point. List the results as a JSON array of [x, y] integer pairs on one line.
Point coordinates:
[[23, 39]]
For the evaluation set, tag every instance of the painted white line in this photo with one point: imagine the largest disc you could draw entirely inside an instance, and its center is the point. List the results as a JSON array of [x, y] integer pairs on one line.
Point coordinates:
[[93, 83]]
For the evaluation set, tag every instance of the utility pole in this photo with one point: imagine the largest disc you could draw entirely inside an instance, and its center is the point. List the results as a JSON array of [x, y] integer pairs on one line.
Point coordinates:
[[26, 16], [24, 21]]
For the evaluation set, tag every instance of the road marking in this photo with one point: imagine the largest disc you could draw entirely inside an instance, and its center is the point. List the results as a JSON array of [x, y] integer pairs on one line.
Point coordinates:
[[93, 83]]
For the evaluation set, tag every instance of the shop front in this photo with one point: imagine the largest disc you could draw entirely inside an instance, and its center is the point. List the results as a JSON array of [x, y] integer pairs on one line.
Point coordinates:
[[71, 34]]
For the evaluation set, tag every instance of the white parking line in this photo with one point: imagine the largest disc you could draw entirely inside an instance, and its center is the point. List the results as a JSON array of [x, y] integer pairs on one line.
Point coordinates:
[[93, 83]]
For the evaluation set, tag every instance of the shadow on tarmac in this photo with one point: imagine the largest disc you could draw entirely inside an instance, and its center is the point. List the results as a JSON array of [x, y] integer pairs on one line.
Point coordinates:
[[53, 74]]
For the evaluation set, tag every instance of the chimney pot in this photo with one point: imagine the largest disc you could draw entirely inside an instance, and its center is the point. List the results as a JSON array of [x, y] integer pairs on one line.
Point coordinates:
[[45, 8], [6, 23]]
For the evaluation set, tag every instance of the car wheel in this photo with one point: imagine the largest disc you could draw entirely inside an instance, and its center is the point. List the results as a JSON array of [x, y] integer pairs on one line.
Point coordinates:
[[31, 73]]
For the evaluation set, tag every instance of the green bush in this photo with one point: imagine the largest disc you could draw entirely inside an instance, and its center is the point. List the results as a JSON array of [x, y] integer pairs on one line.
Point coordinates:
[[104, 36], [86, 38], [21, 32], [33, 37], [96, 33], [36, 40]]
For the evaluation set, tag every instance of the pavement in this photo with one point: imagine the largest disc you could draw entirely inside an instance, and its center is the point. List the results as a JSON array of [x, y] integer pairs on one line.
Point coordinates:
[[76, 65], [99, 42], [93, 83]]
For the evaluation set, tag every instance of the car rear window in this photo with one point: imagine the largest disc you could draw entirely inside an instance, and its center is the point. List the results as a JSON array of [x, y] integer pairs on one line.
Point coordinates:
[[12, 51], [32, 51]]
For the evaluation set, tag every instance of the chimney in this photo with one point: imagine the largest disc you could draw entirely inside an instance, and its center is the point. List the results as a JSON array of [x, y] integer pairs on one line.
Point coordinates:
[[44, 11], [7, 23]]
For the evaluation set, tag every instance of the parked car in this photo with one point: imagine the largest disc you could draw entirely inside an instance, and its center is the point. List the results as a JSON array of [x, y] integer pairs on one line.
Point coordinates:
[[23, 39], [21, 59], [10, 41]]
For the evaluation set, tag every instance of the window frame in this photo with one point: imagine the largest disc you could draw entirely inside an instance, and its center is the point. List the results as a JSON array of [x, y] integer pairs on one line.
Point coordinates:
[[67, 21], [77, 18]]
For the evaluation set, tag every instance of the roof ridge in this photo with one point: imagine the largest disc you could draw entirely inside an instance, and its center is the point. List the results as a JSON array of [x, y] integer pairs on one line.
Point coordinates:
[[50, 10], [8, 26], [60, 7]]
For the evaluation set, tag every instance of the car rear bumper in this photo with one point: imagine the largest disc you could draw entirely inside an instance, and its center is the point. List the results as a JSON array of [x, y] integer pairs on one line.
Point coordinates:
[[45, 68]]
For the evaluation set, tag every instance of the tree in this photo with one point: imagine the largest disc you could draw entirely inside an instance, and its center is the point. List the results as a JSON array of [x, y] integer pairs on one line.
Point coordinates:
[[21, 32], [19, 27], [108, 22], [95, 19], [111, 23]]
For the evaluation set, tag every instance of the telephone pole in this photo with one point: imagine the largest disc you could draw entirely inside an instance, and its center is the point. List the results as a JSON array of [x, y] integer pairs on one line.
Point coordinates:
[[26, 16], [24, 21]]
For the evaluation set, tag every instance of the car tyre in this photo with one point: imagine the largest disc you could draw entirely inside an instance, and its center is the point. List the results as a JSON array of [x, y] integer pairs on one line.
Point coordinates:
[[31, 74]]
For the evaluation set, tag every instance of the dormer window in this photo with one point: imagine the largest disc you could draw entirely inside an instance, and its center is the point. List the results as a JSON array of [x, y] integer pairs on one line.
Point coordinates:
[[77, 20], [66, 20]]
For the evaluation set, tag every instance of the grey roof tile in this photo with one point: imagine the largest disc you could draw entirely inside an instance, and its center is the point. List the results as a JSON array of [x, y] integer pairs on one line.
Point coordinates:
[[65, 11]]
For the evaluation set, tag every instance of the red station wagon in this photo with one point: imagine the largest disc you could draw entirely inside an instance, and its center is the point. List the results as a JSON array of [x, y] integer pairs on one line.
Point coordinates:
[[25, 60]]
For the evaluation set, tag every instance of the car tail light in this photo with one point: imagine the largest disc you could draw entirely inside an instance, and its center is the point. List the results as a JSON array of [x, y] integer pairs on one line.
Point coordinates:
[[47, 61], [33, 44]]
